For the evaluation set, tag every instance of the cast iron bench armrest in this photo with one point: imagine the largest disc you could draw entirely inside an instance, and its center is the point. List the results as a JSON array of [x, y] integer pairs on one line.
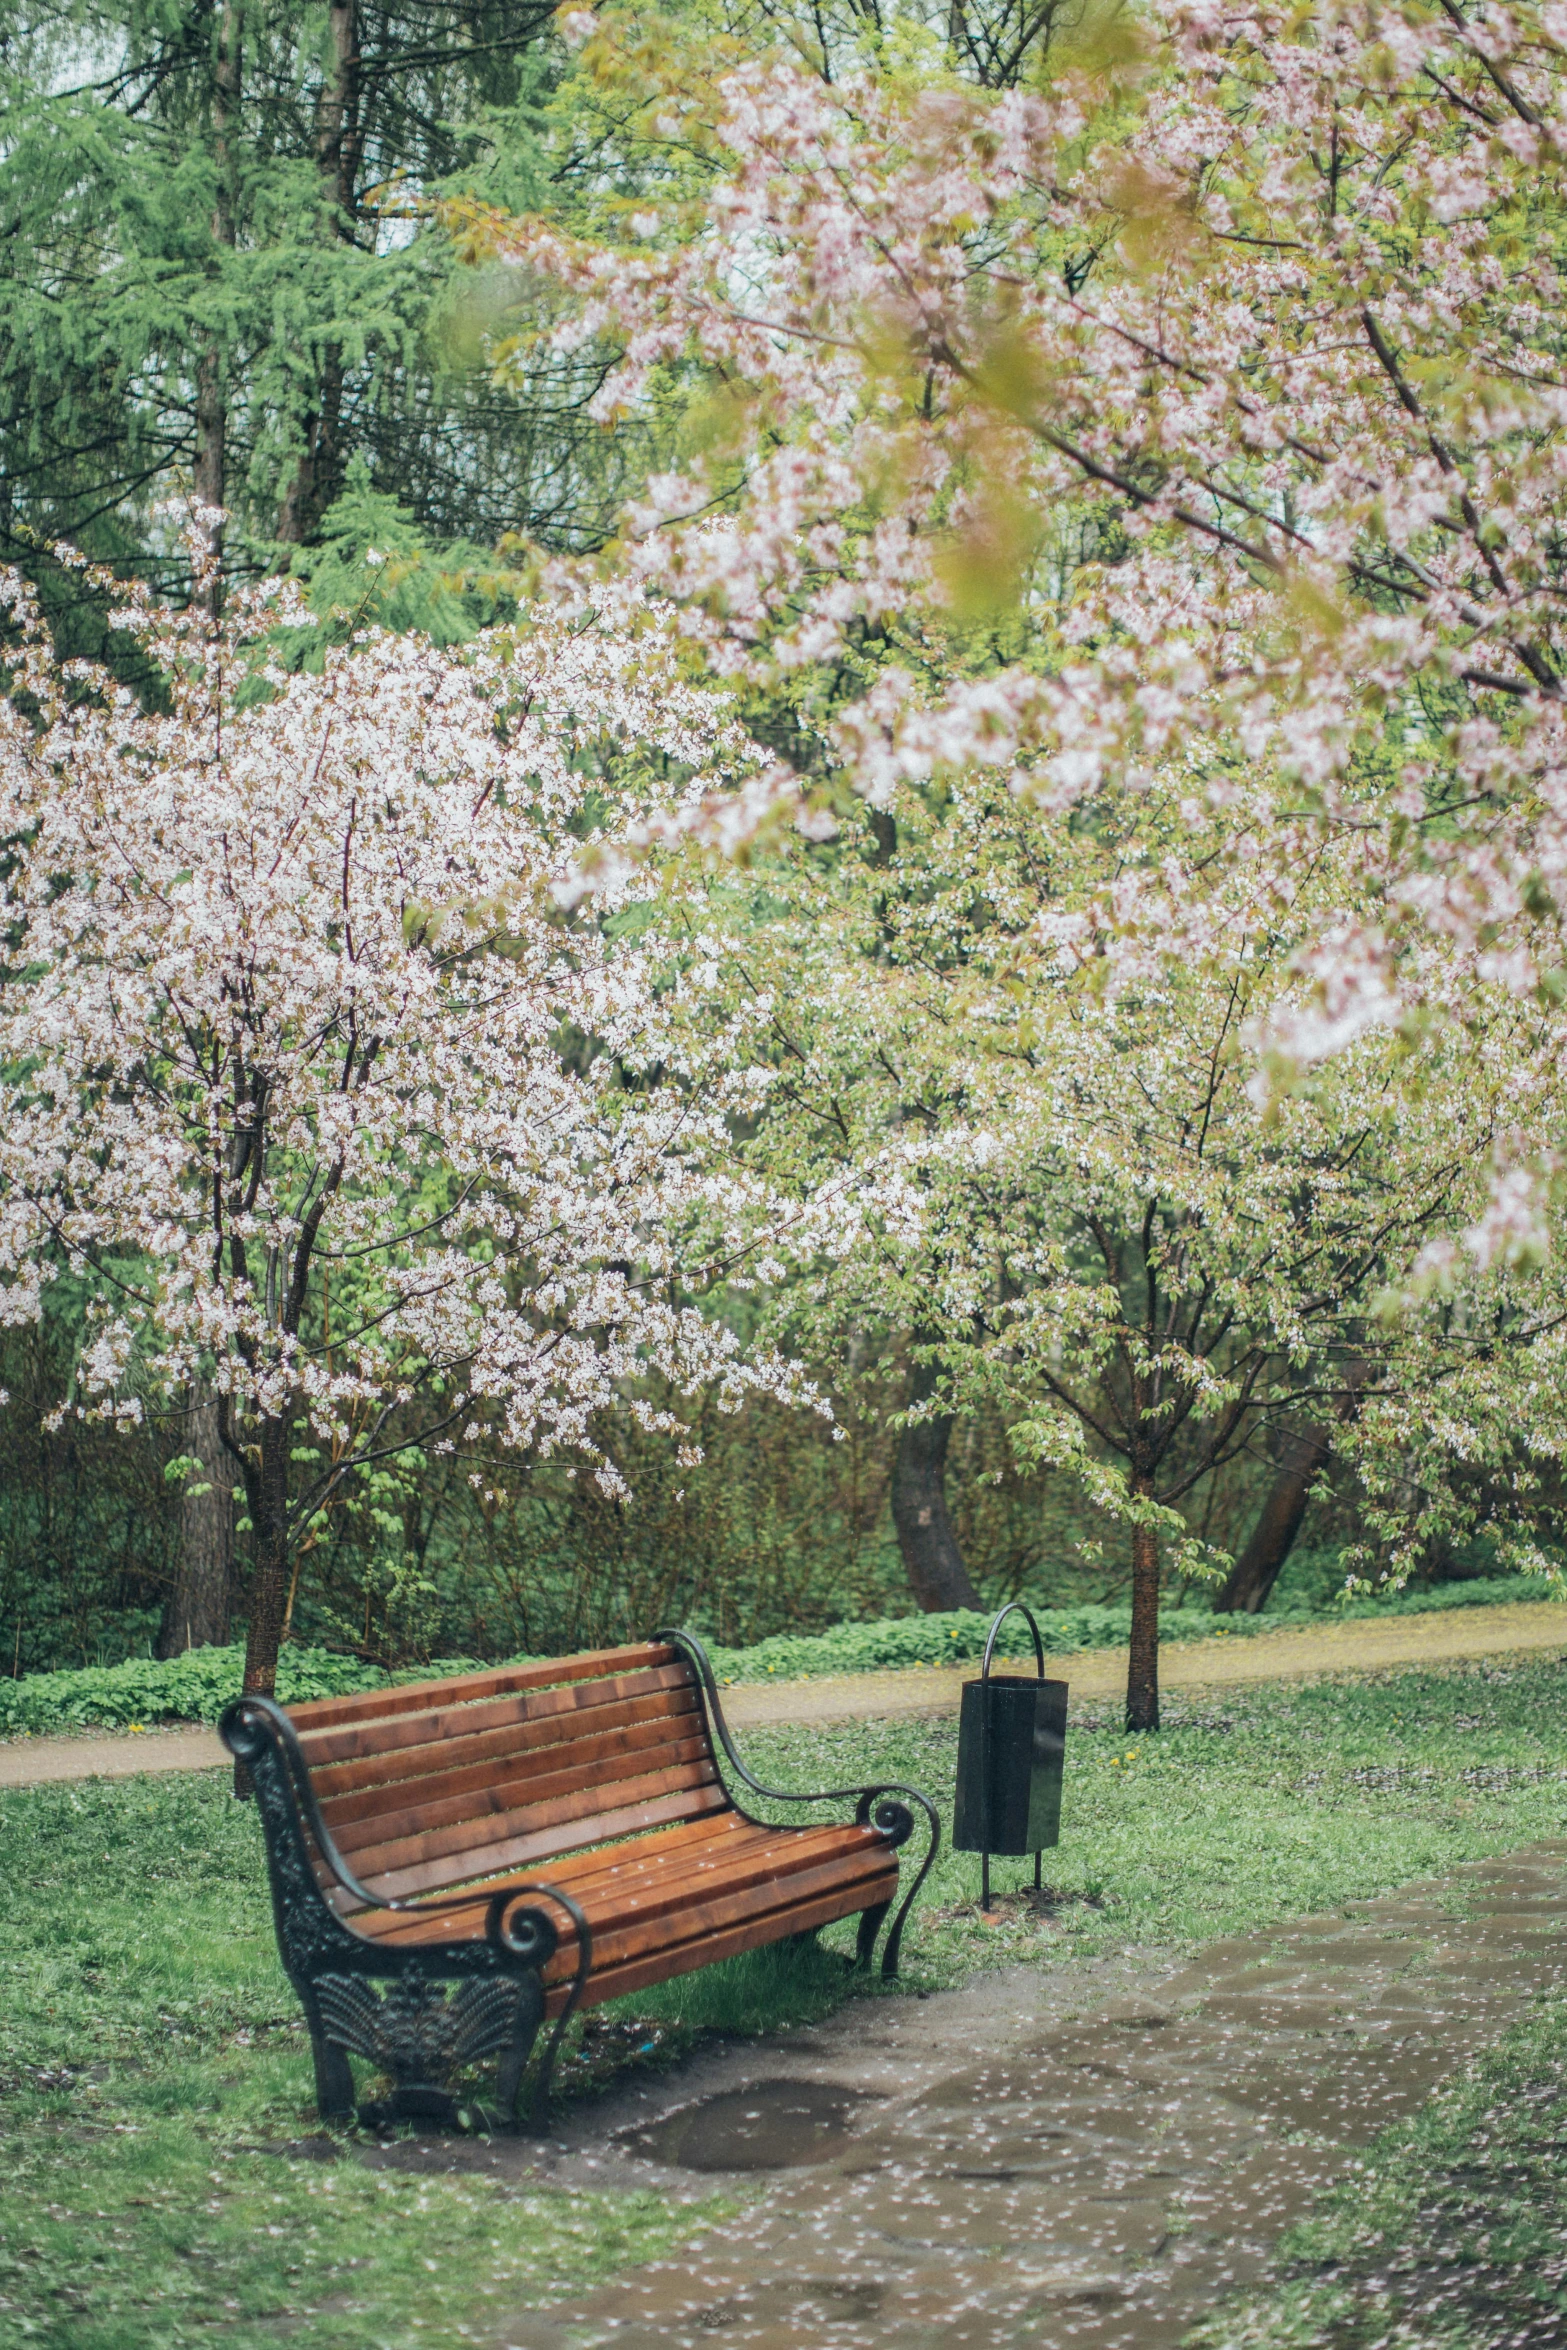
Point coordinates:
[[521, 1934], [253, 1719], [876, 1806]]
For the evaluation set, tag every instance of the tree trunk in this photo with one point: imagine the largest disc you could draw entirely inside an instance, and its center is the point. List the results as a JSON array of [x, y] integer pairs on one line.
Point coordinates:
[[339, 143], [196, 1614], [931, 1557], [319, 473], [209, 476], [1301, 1455], [209, 481], [1142, 1676], [269, 1583], [1304, 1451]]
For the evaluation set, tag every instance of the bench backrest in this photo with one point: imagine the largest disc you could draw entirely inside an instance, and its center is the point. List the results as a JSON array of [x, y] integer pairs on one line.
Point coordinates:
[[441, 1782]]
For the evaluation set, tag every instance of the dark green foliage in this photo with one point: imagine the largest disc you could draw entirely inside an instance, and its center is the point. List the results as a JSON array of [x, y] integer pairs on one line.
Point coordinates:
[[190, 1688], [88, 1524], [779, 1534], [203, 289], [779, 1529]]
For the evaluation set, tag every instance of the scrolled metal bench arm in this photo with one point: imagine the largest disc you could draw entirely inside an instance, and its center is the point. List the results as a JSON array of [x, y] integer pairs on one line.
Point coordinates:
[[892, 1817], [252, 1718], [243, 1727]]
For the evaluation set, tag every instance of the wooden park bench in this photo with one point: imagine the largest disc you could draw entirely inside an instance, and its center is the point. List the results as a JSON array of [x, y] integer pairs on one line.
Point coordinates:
[[543, 1837]]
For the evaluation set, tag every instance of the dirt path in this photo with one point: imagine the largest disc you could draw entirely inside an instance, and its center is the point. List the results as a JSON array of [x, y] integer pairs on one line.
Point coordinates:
[[1318, 1651], [107, 1754], [1321, 1651]]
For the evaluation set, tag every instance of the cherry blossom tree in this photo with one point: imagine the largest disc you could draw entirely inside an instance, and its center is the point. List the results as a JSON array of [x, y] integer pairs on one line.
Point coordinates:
[[1169, 454], [310, 1077], [1202, 404]]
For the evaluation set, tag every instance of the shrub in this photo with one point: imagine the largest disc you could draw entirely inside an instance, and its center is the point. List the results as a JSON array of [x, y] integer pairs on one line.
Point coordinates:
[[190, 1688]]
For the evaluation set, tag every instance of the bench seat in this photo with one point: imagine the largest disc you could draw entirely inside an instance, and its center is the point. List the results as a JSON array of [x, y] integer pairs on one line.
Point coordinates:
[[557, 1834], [678, 1899]]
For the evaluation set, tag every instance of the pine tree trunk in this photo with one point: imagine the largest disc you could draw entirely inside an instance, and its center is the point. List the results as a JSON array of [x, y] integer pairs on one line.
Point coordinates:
[[339, 142], [1142, 1677], [1302, 1454], [209, 479], [210, 473], [931, 1557], [196, 1614]]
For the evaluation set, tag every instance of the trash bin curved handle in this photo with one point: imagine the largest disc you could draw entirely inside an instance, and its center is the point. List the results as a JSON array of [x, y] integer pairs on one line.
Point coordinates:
[[1015, 1607]]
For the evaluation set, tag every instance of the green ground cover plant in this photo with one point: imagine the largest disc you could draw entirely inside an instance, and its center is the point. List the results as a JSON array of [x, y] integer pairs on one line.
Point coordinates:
[[197, 1686], [1450, 2233], [190, 1688], [161, 2167]]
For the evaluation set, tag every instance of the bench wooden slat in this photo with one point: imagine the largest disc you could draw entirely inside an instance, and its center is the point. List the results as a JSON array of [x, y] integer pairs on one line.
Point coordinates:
[[528, 1851], [791, 1914], [467, 1842], [451, 1911], [645, 1845], [505, 1797], [849, 1889], [720, 1849], [430, 1724], [725, 1839], [619, 1884], [655, 1918], [351, 1791], [661, 1966], [417, 1696]]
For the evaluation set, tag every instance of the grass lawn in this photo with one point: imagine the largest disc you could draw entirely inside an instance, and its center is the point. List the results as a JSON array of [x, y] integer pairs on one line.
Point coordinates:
[[153, 2072]]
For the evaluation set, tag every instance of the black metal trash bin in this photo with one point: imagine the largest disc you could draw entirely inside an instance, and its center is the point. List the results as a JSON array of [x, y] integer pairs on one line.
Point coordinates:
[[1011, 1755]]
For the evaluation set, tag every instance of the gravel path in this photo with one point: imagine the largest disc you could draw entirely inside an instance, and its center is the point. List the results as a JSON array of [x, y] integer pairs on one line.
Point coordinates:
[[1322, 1651]]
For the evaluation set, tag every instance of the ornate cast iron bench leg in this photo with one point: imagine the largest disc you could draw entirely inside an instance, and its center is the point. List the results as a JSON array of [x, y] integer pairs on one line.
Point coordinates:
[[422, 2032], [417, 2014], [507, 1910], [508, 2078]]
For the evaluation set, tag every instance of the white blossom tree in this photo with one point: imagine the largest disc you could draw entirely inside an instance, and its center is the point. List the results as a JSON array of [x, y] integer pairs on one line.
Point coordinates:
[[1092, 1222], [1173, 450], [311, 1078]]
